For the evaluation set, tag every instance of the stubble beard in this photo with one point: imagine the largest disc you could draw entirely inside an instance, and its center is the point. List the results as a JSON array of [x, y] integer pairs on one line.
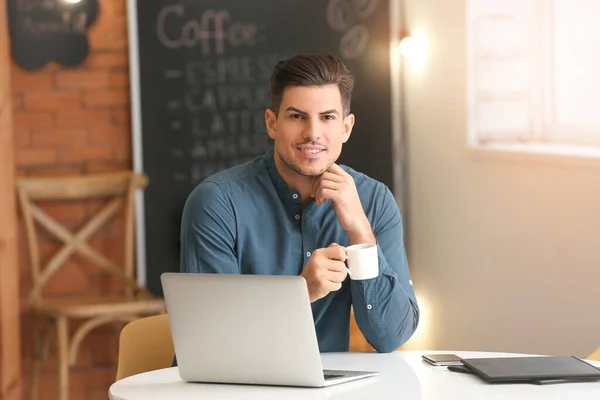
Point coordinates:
[[296, 168]]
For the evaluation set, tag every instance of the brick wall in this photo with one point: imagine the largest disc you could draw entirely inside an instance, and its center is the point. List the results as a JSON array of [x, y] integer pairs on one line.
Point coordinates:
[[68, 122]]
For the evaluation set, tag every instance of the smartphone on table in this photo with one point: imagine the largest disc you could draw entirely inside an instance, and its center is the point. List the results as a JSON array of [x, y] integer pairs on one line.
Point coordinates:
[[442, 359]]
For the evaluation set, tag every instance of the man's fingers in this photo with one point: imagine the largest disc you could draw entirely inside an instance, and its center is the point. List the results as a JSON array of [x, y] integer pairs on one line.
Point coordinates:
[[336, 252], [335, 175], [335, 266], [316, 185], [333, 286], [324, 190], [326, 185], [337, 276], [330, 176], [336, 169], [322, 195]]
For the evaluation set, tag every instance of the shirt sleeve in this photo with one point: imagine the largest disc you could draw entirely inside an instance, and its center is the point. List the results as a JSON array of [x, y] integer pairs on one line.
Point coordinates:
[[208, 232], [385, 307]]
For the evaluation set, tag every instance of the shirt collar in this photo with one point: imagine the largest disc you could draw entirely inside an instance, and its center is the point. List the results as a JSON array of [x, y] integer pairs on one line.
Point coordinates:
[[269, 160], [281, 186]]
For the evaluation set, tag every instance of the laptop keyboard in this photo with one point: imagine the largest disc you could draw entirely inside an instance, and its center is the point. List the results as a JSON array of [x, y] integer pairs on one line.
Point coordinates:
[[331, 376]]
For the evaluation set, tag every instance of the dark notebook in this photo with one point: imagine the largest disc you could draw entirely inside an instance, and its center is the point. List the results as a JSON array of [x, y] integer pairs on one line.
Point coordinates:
[[552, 369]]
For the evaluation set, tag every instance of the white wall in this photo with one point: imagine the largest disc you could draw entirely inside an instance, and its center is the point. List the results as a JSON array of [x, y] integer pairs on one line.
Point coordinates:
[[504, 251]]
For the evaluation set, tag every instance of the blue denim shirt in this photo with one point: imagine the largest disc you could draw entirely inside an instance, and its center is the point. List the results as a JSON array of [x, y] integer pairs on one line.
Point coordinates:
[[246, 220]]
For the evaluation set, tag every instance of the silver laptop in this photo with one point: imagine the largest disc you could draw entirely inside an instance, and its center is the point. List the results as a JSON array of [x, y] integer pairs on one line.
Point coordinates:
[[246, 329]]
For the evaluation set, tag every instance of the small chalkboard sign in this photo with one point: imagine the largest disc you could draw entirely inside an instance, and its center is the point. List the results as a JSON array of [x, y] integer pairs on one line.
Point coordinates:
[[50, 30]]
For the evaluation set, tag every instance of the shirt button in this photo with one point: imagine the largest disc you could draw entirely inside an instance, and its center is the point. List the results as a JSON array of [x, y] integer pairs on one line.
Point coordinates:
[[369, 306], [295, 195], [308, 254], [410, 282], [297, 216]]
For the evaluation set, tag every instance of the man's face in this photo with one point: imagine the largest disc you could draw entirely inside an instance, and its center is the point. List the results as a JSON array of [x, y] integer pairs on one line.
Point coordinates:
[[310, 128]]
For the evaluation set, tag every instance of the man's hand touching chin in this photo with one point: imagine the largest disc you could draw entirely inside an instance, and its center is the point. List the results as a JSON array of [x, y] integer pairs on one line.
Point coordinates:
[[338, 186]]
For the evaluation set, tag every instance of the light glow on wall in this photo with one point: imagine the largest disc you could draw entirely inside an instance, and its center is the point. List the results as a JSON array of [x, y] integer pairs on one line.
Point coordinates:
[[414, 49], [420, 340]]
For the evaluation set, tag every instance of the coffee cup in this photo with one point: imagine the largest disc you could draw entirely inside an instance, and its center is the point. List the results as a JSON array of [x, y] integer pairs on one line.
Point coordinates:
[[362, 261]]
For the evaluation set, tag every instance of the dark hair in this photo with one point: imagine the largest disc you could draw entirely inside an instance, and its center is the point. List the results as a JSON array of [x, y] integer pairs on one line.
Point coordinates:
[[311, 70]]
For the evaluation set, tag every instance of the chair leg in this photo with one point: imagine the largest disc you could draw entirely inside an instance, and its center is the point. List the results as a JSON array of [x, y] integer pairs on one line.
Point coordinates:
[[38, 343], [63, 360], [117, 326], [41, 336]]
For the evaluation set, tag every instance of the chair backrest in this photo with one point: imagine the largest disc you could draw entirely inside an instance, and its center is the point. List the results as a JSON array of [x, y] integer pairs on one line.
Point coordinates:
[[145, 345], [118, 189], [595, 356]]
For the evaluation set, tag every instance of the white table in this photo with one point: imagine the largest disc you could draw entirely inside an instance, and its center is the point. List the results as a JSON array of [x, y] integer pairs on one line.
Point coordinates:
[[403, 376]]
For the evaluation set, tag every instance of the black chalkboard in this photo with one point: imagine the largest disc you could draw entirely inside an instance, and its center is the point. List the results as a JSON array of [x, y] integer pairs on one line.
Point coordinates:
[[203, 87], [50, 30]]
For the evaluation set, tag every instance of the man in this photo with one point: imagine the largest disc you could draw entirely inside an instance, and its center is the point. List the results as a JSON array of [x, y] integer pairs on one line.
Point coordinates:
[[293, 211]]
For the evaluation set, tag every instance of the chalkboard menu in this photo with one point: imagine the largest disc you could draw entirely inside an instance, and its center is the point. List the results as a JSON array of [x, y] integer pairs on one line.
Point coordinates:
[[200, 76], [50, 30]]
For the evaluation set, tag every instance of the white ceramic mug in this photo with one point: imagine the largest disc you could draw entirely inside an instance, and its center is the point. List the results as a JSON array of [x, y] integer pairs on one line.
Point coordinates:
[[362, 260]]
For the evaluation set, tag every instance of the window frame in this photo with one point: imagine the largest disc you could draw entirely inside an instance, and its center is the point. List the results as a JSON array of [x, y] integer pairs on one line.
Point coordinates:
[[543, 129]]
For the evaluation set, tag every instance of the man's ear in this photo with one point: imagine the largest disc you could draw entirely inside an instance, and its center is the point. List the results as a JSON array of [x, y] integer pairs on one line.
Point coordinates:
[[271, 123], [348, 124]]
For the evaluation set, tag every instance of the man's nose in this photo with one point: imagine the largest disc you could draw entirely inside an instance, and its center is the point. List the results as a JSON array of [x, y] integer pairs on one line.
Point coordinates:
[[312, 130]]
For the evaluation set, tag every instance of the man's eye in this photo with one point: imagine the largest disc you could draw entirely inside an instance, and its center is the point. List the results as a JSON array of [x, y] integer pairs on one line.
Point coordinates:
[[329, 117], [296, 116]]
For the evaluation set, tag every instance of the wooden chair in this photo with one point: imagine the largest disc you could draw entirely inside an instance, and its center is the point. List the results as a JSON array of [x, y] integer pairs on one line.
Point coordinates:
[[145, 345], [358, 342], [595, 356], [54, 315]]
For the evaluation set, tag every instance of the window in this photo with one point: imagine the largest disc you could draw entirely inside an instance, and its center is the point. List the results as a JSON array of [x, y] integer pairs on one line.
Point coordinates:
[[534, 73]]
